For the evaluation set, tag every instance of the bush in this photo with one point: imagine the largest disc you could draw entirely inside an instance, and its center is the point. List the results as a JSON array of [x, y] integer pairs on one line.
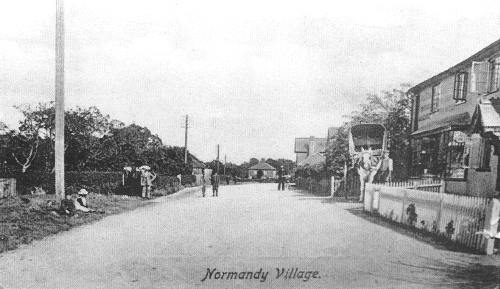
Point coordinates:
[[97, 182], [164, 182], [188, 179]]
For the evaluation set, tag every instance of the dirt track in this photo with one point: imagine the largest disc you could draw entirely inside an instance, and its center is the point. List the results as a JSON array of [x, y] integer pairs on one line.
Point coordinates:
[[173, 243]]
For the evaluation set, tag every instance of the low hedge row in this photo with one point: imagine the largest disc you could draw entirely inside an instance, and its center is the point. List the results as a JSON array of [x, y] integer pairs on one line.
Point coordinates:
[[97, 182], [188, 179]]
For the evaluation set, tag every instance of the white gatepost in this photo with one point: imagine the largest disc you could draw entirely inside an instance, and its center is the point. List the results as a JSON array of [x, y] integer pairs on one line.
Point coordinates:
[[375, 198], [368, 197], [332, 186], [491, 225]]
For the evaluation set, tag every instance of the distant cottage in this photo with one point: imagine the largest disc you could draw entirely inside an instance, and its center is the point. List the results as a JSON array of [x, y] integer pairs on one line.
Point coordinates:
[[268, 171]]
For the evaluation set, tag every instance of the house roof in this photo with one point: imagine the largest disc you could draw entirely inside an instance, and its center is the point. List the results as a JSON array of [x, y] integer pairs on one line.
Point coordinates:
[[314, 159], [458, 121], [262, 166], [486, 117], [302, 144], [481, 55], [197, 164]]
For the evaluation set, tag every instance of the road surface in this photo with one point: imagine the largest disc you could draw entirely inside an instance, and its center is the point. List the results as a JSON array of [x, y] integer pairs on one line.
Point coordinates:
[[252, 232]]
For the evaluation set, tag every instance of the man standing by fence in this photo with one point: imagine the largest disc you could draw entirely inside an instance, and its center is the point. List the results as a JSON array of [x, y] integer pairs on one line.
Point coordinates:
[[215, 180], [385, 171]]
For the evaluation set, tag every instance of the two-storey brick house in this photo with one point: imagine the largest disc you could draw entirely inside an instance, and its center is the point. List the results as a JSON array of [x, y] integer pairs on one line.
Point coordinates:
[[455, 120]]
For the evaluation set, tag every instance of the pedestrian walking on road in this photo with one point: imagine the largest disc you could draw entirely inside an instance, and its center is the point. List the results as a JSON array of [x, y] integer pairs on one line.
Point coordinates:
[[281, 178], [215, 180], [147, 178], [203, 187]]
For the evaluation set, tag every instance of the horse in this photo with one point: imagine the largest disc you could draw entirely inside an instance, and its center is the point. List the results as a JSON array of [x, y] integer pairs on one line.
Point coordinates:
[[368, 166]]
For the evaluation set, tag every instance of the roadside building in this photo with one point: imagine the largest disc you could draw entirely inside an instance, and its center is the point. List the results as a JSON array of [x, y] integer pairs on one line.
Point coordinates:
[[316, 159], [198, 166], [266, 170], [305, 147], [455, 124]]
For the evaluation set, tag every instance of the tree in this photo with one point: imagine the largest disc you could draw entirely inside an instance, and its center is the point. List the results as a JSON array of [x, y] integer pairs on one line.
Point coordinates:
[[337, 152], [25, 142], [253, 161], [390, 108], [288, 165], [93, 142]]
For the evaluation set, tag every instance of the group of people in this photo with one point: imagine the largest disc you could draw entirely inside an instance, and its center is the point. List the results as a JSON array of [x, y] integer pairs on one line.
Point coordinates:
[[214, 181], [140, 178]]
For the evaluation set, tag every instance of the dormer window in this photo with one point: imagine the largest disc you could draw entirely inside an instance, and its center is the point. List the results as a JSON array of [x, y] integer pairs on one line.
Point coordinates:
[[460, 87], [436, 96]]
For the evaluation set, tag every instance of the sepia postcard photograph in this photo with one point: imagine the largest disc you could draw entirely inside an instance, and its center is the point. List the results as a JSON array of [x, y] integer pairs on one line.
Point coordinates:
[[249, 144]]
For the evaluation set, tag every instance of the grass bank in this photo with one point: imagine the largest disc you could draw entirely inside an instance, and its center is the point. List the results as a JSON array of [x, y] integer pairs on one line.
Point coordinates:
[[27, 218]]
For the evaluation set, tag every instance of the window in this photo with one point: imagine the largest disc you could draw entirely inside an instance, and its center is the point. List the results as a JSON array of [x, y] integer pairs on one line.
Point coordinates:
[[456, 155], [415, 103], [430, 155], [416, 148], [494, 83], [479, 77], [436, 96], [460, 88]]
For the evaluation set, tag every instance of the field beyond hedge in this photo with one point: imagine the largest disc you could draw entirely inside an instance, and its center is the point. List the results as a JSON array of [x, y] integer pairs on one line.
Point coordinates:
[[27, 218]]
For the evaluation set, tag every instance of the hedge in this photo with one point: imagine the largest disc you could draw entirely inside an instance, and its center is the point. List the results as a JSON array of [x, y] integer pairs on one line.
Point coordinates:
[[188, 179], [95, 182]]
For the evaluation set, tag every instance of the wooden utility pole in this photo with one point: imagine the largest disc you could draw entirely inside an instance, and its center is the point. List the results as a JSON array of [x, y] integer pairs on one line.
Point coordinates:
[[59, 91], [218, 151], [186, 140]]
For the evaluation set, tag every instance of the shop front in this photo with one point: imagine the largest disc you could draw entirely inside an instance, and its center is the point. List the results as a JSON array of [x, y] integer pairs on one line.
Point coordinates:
[[440, 154]]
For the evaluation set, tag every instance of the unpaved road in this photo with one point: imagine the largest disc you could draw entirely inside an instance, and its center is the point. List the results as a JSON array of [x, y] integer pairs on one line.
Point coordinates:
[[173, 243]]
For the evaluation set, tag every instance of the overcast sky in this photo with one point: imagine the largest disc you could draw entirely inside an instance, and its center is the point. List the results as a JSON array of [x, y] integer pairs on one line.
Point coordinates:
[[252, 75]]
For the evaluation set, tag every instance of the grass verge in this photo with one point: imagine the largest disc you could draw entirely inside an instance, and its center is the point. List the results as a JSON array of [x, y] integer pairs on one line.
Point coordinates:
[[27, 218]]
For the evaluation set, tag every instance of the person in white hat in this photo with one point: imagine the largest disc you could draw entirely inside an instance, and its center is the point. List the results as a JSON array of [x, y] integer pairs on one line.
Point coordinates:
[[81, 201], [147, 178]]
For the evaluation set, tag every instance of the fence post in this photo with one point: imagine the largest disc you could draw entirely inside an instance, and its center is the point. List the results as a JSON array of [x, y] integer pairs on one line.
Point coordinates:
[[491, 225], [13, 187], [332, 186], [375, 198], [442, 190], [368, 200], [403, 211]]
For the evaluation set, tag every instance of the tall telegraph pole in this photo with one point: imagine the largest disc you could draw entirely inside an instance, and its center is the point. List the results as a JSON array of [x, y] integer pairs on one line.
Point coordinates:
[[218, 151], [225, 162], [186, 140], [59, 90]]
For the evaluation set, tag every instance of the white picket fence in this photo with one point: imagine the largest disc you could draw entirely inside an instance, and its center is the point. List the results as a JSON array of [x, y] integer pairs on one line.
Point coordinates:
[[428, 185], [456, 217]]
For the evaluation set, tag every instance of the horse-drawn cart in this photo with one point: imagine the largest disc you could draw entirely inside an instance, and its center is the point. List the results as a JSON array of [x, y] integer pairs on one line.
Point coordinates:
[[367, 136], [367, 142]]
